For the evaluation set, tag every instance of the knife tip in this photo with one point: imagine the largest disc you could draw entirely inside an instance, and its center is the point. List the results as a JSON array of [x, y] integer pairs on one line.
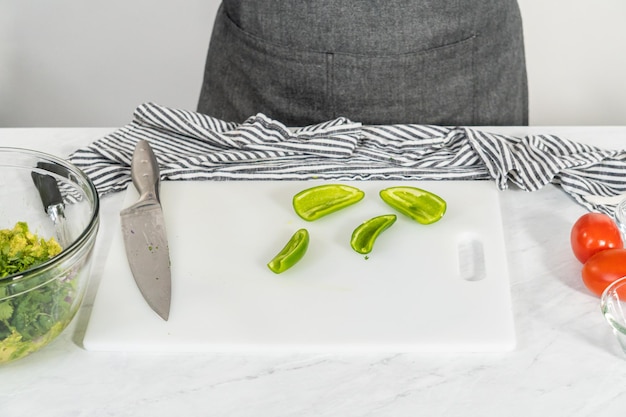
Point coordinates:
[[165, 315]]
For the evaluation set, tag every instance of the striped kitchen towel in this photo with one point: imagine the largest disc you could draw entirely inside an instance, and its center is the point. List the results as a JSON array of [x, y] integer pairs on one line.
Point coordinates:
[[194, 146]]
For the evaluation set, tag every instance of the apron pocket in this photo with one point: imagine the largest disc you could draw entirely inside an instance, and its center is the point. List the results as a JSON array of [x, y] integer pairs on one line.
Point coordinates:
[[245, 75], [434, 86]]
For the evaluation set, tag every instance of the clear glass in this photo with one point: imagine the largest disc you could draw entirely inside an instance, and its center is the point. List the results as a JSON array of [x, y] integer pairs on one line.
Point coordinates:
[[613, 306], [36, 305]]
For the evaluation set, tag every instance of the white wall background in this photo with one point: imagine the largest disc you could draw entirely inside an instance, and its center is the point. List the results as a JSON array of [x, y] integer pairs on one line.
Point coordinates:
[[90, 63]]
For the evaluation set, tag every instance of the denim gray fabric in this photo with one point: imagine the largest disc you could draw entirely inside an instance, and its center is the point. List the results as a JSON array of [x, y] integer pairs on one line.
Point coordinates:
[[376, 62]]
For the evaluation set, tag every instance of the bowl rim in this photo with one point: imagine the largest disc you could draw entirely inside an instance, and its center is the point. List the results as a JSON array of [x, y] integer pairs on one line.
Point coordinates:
[[77, 243], [611, 287]]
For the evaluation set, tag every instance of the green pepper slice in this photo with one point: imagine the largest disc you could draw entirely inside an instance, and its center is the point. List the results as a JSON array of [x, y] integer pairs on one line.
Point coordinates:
[[293, 251], [365, 234], [316, 202], [420, 205]]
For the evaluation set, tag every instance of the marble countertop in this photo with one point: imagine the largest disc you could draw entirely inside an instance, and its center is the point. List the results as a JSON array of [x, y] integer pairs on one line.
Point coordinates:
[[566, 363]]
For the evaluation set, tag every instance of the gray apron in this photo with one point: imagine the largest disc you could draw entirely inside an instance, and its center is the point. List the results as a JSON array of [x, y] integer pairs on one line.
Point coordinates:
[[301, 62]]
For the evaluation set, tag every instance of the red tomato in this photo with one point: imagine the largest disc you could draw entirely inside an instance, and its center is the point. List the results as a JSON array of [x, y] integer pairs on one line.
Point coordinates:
[[592, 233], [603, 268]]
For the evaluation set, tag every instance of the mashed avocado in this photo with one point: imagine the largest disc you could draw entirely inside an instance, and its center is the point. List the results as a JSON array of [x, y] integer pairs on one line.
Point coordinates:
[[30, 314], [20, 249]]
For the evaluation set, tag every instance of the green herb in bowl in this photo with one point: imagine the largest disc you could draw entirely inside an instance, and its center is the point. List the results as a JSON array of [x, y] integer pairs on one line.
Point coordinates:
[[30, 319]]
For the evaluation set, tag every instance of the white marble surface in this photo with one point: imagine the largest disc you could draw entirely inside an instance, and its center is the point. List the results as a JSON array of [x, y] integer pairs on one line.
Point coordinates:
[[567, 362]]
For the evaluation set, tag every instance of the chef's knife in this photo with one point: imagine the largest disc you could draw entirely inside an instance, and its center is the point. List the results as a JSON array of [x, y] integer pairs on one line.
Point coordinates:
[[143, 229], [52, 203]]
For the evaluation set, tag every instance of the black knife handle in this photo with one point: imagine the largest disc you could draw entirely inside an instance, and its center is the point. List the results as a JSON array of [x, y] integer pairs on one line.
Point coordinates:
[[48, 190]]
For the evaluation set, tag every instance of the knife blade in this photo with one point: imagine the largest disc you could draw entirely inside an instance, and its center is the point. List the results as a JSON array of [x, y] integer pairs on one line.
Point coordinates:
[[52, 202], [144, 233]]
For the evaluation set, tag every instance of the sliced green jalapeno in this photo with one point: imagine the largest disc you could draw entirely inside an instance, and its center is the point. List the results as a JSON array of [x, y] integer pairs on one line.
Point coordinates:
[[420, 205], [316, 202], [293, 251], [365, 234]]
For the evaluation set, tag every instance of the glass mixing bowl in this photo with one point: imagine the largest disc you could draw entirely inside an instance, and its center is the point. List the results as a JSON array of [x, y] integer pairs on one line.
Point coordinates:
[[37, 304]]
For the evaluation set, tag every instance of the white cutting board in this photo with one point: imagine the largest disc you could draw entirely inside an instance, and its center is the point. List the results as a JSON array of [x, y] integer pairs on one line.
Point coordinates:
[[441, 287]]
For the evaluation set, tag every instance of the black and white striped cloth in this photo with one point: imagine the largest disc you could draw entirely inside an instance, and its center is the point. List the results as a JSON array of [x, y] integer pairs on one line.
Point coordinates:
[[193, 146]]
